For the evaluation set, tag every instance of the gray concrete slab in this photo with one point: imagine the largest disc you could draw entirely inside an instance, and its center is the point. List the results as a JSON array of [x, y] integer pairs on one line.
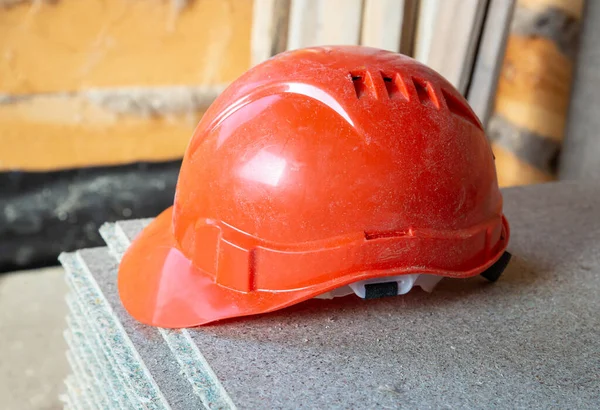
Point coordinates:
[[144, 363], [531, 340]]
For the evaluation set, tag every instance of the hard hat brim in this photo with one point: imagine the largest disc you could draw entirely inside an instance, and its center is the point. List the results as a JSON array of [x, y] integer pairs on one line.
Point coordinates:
[[159, 286]]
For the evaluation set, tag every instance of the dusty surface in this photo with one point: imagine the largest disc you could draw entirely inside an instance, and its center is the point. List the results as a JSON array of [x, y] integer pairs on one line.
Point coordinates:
[[530, 341], [32, 348]]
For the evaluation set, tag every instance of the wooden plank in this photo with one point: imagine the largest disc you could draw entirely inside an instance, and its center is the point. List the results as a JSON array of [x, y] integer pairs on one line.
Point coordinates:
[[331, 22], [68, 45], [573, 8], [512, 171], [581, 152], [484, 80], [382, 24], [447, 37], [534, 87], [409, 27], [533, 92], [424, 34], [269, 28]]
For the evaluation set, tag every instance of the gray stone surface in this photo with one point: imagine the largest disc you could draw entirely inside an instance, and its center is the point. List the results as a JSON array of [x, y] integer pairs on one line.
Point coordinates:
[[32, 350], [581, 149], [531, 340]]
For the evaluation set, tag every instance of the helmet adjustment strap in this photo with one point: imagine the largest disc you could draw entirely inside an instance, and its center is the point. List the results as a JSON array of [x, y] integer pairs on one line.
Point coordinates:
[[380, 290], [384, 289], [493, 272]]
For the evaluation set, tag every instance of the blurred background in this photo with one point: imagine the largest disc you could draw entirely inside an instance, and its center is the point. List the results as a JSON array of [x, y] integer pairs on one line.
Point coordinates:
[[98, 98]]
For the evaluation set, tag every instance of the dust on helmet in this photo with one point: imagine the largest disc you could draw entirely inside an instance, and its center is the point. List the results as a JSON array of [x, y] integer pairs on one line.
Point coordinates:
[[320, 170]]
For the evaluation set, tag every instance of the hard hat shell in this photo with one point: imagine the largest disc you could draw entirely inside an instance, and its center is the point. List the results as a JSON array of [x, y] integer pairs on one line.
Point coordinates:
[[318, 168]]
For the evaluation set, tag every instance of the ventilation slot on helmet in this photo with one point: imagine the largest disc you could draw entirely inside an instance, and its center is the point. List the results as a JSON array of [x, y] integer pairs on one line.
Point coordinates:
[[363, 83], [358, 79], [369, 236], [459, 109], [395, 86], [425, 93]]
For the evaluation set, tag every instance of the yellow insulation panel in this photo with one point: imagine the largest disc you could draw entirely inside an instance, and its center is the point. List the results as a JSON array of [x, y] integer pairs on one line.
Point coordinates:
[[47, 133], [67, 68], [66, 45]]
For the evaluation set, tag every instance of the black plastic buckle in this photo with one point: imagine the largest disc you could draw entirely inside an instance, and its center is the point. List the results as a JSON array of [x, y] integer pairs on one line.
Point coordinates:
[[493, 272], [380, 290]]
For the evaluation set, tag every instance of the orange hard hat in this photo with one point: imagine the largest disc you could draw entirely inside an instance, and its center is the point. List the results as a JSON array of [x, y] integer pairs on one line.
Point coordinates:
[[317, 169]]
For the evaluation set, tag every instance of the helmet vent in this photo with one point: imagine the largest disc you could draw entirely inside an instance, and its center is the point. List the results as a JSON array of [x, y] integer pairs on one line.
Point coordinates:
[[395, 86], [369, 236], [363, 83], [459, 109], [426, 93]]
